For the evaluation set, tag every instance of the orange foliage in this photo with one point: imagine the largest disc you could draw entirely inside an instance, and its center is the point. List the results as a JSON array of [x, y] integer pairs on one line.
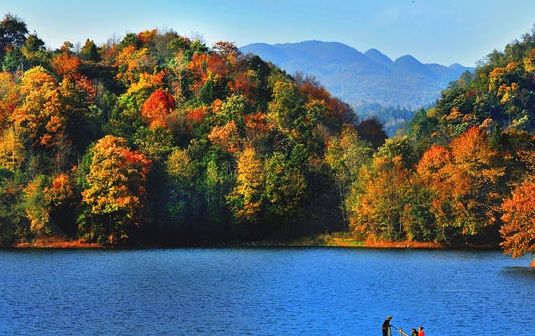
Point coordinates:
[[147, 36], [244, 84], [335, 108], [472, 149], [117, 177], [463, 181], [432, 161], [59, 191], [157, 107], [196, 116], [227, 137], [205, 67], [67, 65], [227, 50], [217, 105], [39, 116], [86, 85], [519, 228]]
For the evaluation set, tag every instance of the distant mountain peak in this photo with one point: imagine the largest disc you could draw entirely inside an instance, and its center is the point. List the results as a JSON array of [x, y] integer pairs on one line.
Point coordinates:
[[362, 78], [378, 57]]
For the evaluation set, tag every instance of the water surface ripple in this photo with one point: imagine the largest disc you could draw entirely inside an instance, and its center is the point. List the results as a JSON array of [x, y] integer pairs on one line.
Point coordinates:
[[294, 291]]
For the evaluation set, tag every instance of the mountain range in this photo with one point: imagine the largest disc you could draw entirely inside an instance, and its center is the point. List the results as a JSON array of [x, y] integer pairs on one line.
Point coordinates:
[[369, 78]]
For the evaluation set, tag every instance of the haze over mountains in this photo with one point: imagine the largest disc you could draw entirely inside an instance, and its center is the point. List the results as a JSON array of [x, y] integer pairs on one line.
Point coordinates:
[[368, 78]]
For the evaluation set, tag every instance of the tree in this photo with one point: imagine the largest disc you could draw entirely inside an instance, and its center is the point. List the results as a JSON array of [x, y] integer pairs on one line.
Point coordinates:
[[345, 155], [180, 172], [14, 61], [116, 189], [286, 108], [36, 210], [67, 64], [372, 130], [39, 118], [89, 51], [132, 63], [378, 198], [13, 32], [285, 190], [465, 183], [245, 200], [13, 225], [83, 119], [399, 146], [10, 98], [157, 108], [518, 229], [60, 198], [12, 153]]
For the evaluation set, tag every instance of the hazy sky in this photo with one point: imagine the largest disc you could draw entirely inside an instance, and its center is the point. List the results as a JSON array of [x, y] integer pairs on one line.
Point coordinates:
[[434, 31]]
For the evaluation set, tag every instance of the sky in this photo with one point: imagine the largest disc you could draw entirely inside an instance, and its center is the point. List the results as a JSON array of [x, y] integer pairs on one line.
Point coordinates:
[[433, 31]]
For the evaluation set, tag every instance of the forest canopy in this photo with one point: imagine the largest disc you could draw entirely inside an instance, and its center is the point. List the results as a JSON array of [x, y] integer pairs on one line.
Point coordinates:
[[160, 139]]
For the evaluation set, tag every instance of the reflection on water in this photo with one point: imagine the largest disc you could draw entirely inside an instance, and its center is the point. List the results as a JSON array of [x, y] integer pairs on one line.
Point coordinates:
[[317, 291]]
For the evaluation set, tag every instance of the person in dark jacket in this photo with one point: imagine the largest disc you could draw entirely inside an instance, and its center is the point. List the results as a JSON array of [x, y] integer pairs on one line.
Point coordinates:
[[386, 326]]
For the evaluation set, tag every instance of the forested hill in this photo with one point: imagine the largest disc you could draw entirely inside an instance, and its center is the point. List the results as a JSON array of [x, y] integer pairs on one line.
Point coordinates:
[[358, 78], [160, 139]]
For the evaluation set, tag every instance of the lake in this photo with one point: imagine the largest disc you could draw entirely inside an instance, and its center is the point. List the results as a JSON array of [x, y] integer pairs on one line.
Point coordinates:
[[250, 291]]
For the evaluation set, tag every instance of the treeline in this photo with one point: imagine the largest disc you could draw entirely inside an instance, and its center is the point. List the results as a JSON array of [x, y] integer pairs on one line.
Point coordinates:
[[463, 173], [157, 138]]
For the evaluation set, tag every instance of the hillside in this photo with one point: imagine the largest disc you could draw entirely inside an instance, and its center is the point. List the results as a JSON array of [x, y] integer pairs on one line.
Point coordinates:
[[161, 140], [362, 78]]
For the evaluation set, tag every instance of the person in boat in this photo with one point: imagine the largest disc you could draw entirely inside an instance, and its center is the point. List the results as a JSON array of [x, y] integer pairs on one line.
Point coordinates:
[[386, 326], [414, 332], [421, 331]]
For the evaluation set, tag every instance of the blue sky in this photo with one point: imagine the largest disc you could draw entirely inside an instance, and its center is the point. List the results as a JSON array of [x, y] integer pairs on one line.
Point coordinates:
[[434, 31]]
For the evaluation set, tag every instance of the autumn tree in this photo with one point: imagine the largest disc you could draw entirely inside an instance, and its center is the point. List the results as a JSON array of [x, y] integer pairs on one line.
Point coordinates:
[[12, 151], [84, 119], [67, 64], [245, 200], [116, 190], [518, 230], [465, 181], [209, 76], [377, 200], [157, 108], [132, 63], [127, 117], [10, 98], [40, 119]]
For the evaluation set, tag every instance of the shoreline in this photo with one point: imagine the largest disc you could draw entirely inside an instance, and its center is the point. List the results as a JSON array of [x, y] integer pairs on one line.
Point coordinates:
[[61, 243]]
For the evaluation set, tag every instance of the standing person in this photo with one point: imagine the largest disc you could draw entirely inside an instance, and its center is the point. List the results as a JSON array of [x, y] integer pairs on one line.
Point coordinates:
[[414, 332], [421, 331], [386, 326]]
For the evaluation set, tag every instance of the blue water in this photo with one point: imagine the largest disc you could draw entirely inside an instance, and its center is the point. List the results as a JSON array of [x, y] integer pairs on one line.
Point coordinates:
[[308, 291]]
